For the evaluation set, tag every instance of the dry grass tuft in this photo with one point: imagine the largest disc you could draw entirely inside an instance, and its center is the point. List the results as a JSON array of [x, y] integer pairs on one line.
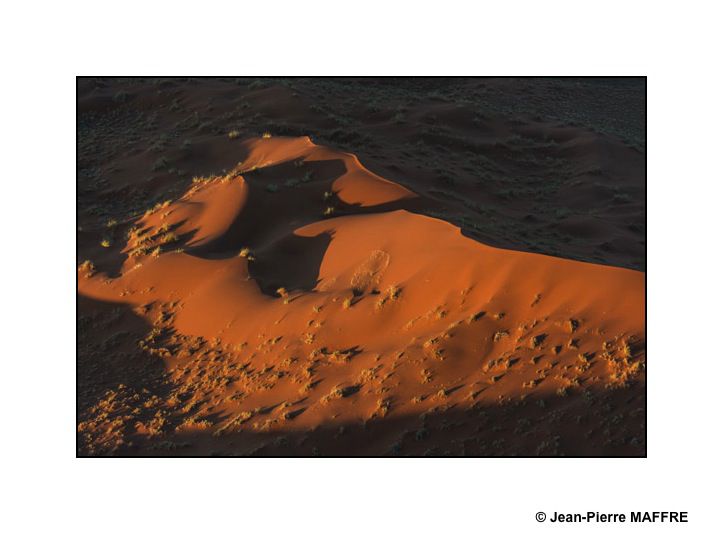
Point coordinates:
[[476, 316], [497, 336], [626, 350], [168, 238], [88, 268], [391, 294], [536, 341]]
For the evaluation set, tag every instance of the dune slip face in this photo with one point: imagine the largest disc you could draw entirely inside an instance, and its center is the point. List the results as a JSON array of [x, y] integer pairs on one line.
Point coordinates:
[[299, 304]]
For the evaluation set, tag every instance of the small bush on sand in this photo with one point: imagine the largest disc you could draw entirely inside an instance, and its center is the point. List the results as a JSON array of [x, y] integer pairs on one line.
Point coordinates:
[[536, 341], [88, 268], [168, 238], [626, 350], [497, 336], [391, 294], [282, 291]]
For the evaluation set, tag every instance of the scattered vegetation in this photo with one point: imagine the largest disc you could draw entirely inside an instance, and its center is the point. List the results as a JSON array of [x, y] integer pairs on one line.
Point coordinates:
[[391, 294], [202, 179]]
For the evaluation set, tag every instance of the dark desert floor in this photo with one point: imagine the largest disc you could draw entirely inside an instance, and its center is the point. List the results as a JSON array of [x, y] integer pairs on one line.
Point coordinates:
[[343, 267]]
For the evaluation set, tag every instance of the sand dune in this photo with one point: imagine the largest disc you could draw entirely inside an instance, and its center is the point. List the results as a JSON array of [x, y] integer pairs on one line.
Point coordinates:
[[299, 300]]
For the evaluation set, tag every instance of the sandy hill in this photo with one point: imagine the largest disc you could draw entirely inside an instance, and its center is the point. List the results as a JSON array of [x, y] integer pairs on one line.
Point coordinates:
[[301, 304]]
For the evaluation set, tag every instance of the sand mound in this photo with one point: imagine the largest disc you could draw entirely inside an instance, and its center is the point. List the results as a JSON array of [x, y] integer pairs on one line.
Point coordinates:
[[297, 294]]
